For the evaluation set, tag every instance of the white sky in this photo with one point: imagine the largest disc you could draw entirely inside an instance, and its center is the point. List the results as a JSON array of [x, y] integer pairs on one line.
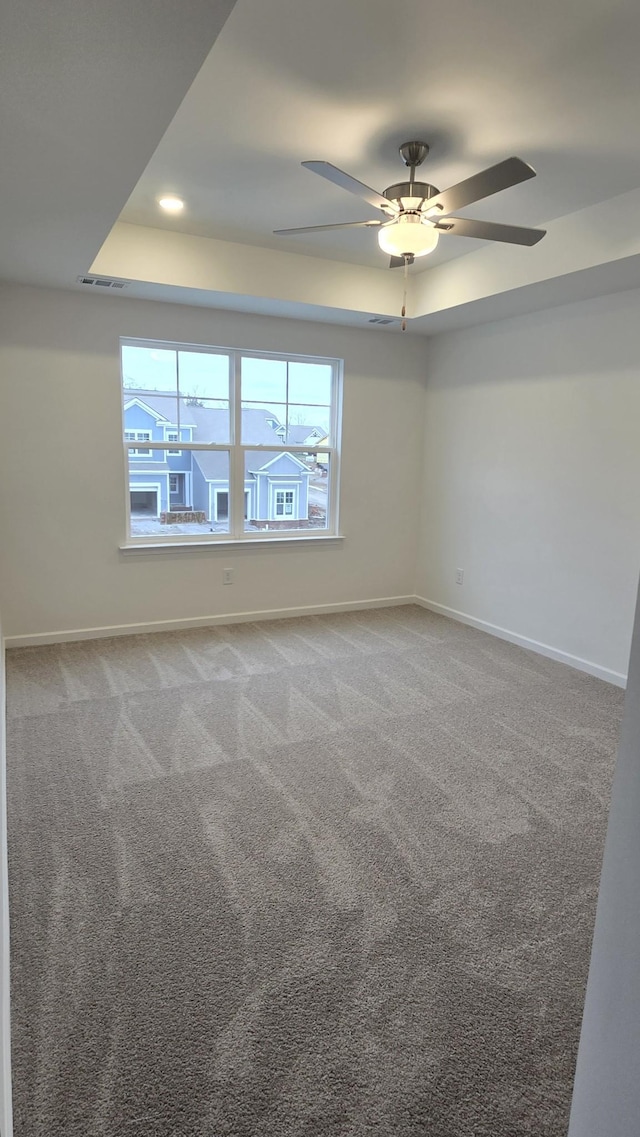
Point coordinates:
[[207, 376]]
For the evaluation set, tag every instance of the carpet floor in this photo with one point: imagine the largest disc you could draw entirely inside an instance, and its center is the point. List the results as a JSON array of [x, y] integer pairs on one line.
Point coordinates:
[[323, 877]]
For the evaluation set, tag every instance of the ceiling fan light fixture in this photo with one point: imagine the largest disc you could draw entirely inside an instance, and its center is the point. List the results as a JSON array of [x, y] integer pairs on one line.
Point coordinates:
[[409, 235]]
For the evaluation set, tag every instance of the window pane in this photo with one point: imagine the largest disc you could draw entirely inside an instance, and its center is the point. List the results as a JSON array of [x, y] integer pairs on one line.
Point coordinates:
[[286, 491], [310, 383], [191, 502], [149, 368], [206, 419], [306, 424], [264, 379], [203, 376], [264, 423]]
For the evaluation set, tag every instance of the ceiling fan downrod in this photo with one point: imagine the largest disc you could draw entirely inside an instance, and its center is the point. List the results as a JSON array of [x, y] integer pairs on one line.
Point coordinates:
[[413, 155]]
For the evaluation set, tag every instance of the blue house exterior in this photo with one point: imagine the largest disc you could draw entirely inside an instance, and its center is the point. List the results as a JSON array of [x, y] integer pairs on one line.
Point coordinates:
[[276, 483]]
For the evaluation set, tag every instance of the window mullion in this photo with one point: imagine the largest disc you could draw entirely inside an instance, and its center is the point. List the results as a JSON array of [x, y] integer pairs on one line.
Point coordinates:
[[333, 451], [236, 472], [178, 393]]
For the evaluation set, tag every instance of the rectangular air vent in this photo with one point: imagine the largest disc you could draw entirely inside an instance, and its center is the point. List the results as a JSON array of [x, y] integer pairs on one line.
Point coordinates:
[[382, 320], [102, 282]]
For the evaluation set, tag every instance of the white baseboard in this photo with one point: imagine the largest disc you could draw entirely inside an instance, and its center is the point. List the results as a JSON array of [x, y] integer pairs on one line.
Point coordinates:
[[203, 621], [6, 1116], [615, 677], [67, 636]]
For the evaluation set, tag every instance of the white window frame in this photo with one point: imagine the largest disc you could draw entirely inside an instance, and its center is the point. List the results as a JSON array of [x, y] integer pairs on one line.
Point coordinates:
[[283, 487], [237, 449], [140, 436], [167, 434]]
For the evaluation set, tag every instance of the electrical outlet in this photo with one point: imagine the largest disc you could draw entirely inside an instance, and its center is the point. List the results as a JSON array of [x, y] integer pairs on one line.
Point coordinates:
[[459, 576], [227, 576]]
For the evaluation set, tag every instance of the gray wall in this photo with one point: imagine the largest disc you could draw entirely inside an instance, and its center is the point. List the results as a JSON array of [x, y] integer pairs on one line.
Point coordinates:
[[530, 478], [606, 1100], [6, 1126]]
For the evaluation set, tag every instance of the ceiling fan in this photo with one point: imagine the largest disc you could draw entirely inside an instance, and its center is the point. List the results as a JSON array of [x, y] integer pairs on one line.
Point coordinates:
[[416, 213]]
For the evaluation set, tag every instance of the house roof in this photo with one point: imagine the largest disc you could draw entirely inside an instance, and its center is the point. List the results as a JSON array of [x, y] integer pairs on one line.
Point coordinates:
[[297, 434], [214, 464], [211, 424], [161, 404], [260, 462]]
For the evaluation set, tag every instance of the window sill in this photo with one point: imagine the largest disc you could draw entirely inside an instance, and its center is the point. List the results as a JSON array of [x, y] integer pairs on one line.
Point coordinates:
[[249, 542]]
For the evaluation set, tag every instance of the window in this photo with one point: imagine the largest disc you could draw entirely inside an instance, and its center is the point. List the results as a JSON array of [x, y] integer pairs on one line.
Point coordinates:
[[258, 438], [284, 503], [139, 436], [173, 436]]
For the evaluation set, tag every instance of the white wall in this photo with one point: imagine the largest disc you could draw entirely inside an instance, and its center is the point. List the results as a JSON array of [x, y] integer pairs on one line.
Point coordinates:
[[62, 474], [606, 1099], [532, 475]]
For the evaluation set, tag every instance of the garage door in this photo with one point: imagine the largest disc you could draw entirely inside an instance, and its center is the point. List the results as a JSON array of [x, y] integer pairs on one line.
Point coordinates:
[[144, 503]]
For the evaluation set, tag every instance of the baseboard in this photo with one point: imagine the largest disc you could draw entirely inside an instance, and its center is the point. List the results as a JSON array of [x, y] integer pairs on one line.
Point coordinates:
[[575, 661], [68, 636], [6, 1122], [204, 621]]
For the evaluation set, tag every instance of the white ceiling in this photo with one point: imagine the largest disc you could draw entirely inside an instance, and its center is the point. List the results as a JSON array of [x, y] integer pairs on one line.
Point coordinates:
[[87, 88], [349, 80], [105, 105]]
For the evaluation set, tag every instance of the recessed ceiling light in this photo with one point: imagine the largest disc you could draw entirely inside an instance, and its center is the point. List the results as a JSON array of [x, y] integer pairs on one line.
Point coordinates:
[[171, 204]]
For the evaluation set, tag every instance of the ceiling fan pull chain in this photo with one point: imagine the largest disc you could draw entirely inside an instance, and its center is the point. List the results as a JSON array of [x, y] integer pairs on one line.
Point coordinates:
[[404, 295]]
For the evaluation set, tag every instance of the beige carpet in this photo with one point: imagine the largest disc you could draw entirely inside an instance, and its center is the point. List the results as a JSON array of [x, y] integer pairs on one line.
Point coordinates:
[[325, 877]]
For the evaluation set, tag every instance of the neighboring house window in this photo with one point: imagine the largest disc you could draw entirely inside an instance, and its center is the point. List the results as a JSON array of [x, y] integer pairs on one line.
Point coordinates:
[[138, 436], [284, 503], [249, 470], [173, 436]]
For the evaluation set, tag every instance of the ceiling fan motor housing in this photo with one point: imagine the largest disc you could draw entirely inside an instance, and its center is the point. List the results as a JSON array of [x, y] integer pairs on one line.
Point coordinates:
[[402, 190]]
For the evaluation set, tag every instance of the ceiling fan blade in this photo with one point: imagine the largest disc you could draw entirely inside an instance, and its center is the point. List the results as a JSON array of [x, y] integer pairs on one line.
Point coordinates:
[[345, 181], [339, 225], [490, 231], [505, 174]]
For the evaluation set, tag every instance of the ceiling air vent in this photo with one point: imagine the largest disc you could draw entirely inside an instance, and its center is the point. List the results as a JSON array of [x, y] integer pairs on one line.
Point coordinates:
[[102, 282], [382, 320]]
